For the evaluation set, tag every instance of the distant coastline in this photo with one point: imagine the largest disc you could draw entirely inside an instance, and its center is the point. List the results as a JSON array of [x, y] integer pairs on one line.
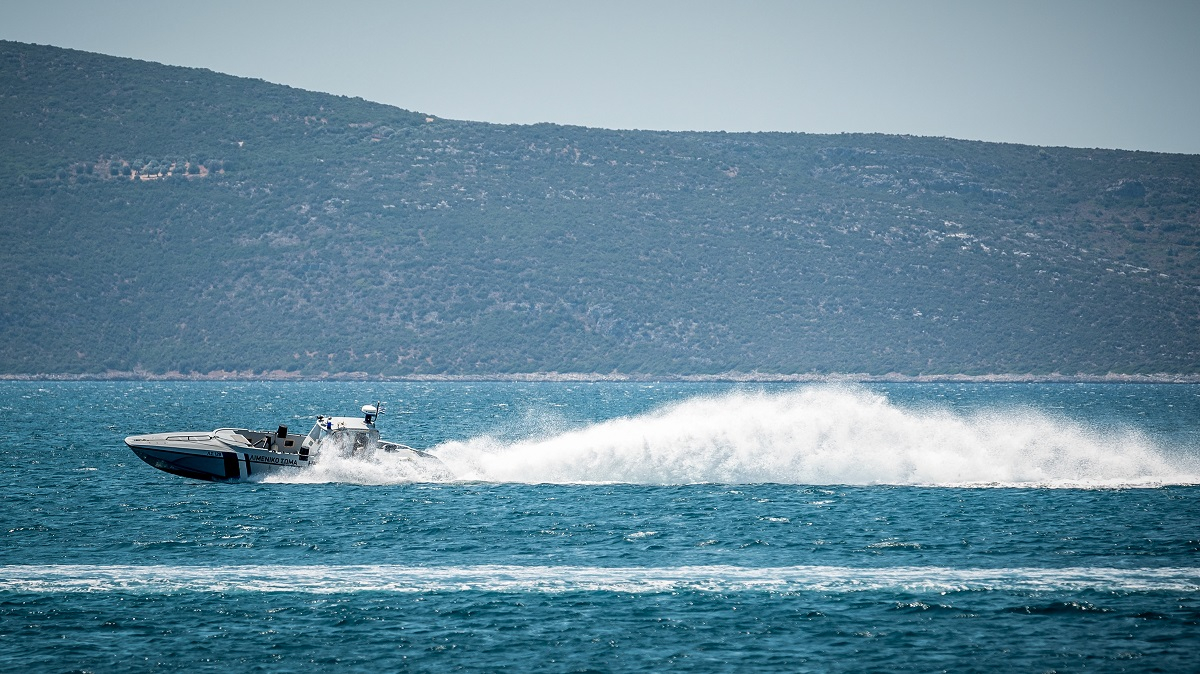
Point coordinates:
[[729, 377]]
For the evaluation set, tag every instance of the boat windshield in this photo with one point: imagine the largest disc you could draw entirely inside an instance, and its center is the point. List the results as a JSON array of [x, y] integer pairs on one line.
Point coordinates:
[[317, 433], [351, 440]]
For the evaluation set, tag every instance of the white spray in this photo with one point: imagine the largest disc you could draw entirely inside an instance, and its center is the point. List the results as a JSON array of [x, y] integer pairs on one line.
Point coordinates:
[[813, 435]]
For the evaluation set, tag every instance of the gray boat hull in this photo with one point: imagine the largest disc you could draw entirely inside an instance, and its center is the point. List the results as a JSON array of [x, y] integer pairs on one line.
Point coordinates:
[[203, 457], [227, 455]]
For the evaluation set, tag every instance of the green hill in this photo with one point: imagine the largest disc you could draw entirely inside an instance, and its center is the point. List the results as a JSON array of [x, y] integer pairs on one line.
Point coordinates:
[[174, 219]]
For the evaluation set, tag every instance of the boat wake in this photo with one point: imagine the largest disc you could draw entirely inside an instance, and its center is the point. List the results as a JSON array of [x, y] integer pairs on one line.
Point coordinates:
[[812, 435], [340, 579]]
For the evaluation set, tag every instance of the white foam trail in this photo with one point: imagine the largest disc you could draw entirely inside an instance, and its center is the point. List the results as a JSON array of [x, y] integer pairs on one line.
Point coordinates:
[[325, 579], [822, 435], [811, 435]]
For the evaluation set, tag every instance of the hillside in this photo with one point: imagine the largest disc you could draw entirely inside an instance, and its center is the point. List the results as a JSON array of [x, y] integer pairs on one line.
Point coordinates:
[[175, 219]]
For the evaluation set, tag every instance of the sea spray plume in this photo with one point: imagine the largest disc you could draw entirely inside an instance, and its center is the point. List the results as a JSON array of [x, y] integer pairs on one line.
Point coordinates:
[[823, 435], [340, 459], [811, 435]]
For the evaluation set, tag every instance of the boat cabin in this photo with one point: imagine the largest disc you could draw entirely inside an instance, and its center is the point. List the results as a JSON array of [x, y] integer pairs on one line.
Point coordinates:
[[353, 433]]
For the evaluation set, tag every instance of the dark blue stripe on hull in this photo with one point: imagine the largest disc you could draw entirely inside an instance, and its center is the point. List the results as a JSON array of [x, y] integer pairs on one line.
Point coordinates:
[[231, 466]]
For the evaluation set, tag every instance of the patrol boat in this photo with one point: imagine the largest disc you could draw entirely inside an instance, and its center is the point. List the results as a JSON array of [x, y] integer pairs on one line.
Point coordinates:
[[237, 453]]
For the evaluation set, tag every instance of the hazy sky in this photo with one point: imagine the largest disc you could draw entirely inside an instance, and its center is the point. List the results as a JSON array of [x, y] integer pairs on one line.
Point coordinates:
[[1083, 74]]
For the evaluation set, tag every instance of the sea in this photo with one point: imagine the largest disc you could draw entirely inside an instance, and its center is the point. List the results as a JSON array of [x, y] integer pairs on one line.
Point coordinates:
[[611, 527]]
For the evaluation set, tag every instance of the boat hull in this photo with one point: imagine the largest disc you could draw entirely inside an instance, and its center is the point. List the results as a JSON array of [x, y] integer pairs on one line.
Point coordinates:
[[218, 457], [203, 457]]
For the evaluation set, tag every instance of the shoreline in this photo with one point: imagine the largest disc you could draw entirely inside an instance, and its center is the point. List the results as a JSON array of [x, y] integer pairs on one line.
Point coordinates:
[[726, 377]]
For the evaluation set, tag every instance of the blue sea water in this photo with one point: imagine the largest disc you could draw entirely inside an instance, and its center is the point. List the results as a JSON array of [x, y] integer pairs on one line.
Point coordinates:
[[612, 527]]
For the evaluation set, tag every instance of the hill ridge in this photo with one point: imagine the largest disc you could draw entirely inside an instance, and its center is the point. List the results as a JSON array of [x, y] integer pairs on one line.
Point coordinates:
[[171, 219]]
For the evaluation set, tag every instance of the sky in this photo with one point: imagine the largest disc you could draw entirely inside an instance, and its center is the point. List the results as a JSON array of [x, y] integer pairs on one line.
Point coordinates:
[[1096, 73]]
